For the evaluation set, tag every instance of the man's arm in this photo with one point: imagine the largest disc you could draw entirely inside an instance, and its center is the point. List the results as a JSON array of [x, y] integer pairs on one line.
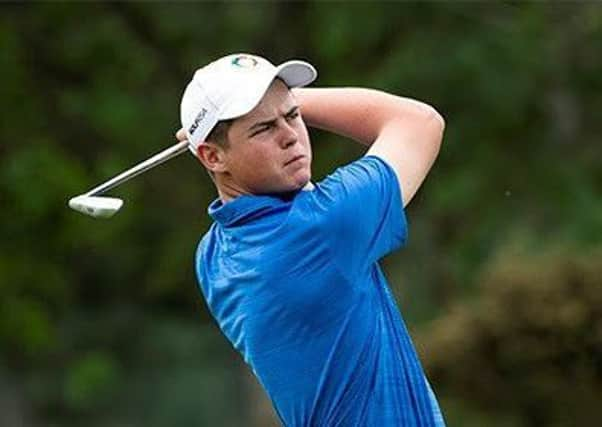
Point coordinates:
[[403, 132]]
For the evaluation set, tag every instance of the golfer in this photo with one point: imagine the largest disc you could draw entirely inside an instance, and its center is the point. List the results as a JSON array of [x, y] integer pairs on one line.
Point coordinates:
[[289, 269]]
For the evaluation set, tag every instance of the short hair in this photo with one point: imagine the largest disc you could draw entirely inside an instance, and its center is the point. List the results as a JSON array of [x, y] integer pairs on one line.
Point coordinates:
[[219, 133], [219, 136]]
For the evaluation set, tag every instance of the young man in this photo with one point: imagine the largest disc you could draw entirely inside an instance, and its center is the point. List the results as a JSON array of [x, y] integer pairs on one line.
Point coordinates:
[[290, 270]]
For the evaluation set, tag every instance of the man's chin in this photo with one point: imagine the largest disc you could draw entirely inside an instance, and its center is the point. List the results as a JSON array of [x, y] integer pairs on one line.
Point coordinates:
[[303, 178], [294, 188], [302, 183]]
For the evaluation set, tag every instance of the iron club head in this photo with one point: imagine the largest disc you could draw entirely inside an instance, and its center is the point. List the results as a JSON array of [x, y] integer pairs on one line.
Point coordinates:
[[98, 207]]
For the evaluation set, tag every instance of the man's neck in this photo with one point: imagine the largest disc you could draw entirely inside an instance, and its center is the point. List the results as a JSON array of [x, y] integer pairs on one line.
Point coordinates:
[[227, 194]]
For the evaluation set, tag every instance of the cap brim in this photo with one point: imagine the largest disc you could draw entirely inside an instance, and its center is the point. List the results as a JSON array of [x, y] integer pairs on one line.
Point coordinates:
[[296, 73]]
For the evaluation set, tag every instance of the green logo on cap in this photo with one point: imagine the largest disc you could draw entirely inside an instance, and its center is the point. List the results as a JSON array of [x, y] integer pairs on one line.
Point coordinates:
[[244, 61]]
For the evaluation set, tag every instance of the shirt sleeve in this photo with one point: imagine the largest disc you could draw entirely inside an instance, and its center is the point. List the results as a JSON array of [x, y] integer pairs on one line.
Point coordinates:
[[360, 209]]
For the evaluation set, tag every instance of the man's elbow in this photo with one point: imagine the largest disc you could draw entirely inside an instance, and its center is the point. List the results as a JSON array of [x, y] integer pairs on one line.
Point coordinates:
[[435, 123], [438, 118], [430, 116], [434, 118]]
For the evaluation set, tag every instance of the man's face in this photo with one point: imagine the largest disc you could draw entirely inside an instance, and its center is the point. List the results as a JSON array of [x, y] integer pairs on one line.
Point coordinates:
[[269, 149]]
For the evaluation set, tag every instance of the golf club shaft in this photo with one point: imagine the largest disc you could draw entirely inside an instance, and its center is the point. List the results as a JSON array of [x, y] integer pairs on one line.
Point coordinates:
[[157, 159]]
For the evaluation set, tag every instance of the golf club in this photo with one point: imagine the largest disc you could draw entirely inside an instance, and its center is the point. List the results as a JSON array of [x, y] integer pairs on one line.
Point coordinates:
[[105, 207]]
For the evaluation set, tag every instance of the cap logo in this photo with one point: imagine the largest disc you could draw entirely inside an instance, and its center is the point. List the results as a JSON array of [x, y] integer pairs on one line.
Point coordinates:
[[244, 61], [198, 119]]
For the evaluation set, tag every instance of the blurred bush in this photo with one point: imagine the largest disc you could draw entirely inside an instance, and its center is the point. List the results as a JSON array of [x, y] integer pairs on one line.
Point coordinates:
[[530, 346]]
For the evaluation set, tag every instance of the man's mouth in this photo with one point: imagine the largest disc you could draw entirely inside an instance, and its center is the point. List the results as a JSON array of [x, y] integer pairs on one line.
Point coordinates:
[[294, 159]]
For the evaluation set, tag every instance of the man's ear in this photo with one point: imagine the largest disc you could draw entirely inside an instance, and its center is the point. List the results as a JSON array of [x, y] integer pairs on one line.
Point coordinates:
[[212, 157]]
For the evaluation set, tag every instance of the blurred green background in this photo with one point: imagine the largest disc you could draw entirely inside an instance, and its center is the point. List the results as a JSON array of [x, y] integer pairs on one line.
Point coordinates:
[[101, 322]]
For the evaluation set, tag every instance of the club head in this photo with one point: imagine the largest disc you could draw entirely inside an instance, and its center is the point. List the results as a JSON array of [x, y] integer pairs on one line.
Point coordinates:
[[97, 207]]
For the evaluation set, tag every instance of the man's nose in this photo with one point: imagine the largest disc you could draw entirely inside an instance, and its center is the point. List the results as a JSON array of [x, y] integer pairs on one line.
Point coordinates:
[[288, 134]]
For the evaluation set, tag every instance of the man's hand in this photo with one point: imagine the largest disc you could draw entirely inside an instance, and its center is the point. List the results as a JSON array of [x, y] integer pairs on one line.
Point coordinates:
[[181, 135]]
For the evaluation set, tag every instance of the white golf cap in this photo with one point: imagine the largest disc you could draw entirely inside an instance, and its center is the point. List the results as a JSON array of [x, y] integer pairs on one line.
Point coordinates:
[[232, 86]]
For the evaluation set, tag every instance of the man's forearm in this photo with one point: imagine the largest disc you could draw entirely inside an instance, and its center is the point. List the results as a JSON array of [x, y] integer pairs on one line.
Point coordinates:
[[359, 114]]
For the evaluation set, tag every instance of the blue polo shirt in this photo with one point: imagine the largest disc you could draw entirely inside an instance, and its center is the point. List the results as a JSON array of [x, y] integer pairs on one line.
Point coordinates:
[[293, 282]]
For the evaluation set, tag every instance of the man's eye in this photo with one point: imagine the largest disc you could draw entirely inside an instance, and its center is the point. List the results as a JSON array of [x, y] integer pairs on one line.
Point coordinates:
[[293, 115], [260, 130]]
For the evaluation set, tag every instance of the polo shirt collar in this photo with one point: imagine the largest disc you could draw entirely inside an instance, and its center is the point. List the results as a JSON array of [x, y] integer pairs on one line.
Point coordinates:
[[246, 207]]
